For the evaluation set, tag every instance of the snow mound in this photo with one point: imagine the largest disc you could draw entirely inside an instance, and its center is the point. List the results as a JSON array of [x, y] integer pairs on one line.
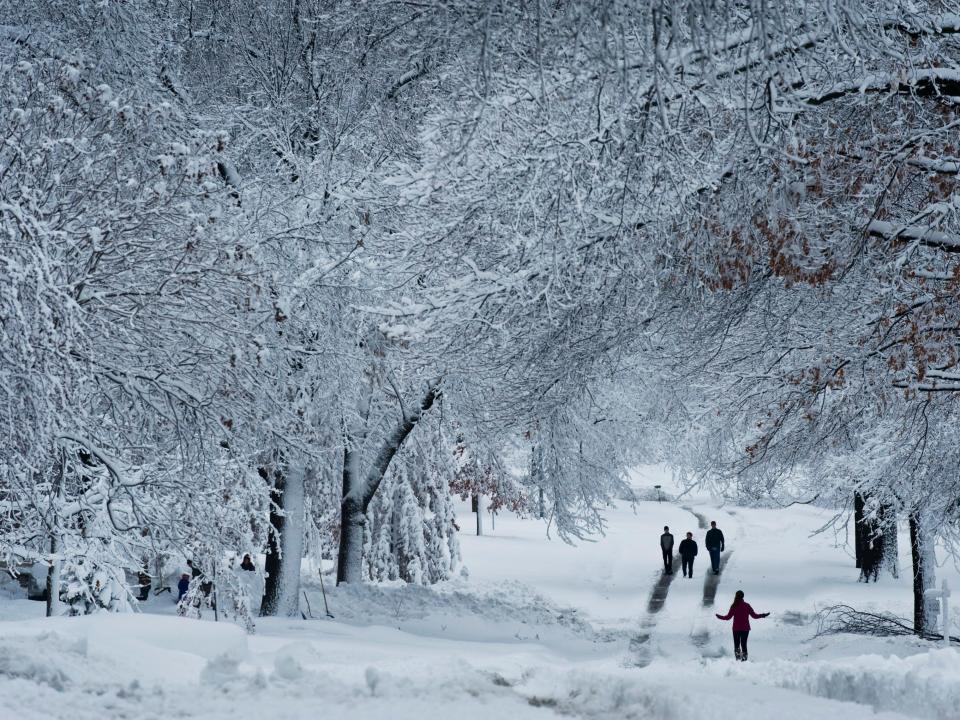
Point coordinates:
[[48, 659], [923, 685], [457, 608], [206, 640], [601, 697]]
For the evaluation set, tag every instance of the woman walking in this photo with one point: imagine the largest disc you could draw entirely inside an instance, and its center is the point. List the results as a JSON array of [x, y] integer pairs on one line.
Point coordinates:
[[741, 612]]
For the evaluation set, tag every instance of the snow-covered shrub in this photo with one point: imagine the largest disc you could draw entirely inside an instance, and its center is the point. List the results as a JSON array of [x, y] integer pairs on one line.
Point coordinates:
[[86, 588], [195, 599], [233, 596], [411, 529]]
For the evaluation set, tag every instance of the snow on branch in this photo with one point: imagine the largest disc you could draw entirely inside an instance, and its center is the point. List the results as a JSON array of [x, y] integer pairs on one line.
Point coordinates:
[[924, 235], [420, 68], [394, 440], [929, 81]]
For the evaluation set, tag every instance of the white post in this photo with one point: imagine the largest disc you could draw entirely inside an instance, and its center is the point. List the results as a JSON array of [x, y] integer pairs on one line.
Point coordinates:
[[943, 594], [479, 514]]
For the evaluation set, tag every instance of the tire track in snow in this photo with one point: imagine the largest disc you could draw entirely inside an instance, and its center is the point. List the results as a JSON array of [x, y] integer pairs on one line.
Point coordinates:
[[639, 648], [712, 582], [658, 596]]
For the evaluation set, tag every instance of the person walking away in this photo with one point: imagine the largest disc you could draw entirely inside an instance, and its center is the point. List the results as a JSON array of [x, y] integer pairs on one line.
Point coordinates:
[[666, 547], [183, 586], [194, 570], [144, 580], [715, 545], [741, 612], [688, 551], [247, 563]]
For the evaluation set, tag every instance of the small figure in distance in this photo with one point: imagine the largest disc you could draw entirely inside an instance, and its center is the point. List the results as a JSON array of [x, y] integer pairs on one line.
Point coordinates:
[[195, 571], [183, 586], [144, 580], [688, 551], [741, 612], [247, 563], [666, 547], [715, 545]]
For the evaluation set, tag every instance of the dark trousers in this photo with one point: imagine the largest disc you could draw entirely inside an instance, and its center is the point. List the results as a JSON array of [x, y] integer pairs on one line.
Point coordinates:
[[667, 560], [686, 565], [714, 558], [740, 642]]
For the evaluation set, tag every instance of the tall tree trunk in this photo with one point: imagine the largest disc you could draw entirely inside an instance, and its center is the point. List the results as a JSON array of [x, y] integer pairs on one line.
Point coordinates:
[[53, 571], [890, 553], [858, 528], [352, 519], [536, 477], [281, 593], [875, 538], [53, 578], [921, 549], [359, 489]]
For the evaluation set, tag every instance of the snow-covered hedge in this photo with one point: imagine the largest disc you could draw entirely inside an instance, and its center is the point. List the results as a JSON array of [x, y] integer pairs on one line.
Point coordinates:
[[923, 685]]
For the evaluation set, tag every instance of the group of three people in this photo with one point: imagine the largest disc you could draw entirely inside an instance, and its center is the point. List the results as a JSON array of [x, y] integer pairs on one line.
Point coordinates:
[[688, 550]]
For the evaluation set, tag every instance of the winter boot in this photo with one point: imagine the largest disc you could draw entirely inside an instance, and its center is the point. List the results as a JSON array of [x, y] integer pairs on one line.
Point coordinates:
[[738, 654], [743, 656]]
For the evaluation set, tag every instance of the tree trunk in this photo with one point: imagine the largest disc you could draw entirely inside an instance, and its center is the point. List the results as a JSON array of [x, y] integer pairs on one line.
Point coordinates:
[[281, 593], [53, 571], [53, 579], [921, 549], [352, 518], [875, 538], [890, 552], [536, 476], [858, 529], [359, 489]]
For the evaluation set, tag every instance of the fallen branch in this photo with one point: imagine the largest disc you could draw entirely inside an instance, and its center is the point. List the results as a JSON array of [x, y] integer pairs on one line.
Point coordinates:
[[838, 619]]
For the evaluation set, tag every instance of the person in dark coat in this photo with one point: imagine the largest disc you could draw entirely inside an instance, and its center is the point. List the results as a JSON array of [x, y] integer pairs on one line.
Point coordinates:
[[741, 612], [247, 563], [688, 551], [183, 586], [666, 547], [144, 580], [195, 571], [715, 545]]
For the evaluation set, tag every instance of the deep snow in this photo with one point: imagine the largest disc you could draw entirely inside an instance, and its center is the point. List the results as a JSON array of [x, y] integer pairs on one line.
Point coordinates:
[[537, 628]]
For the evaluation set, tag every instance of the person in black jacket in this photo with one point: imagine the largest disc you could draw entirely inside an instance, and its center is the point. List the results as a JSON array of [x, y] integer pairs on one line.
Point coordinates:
[[666, 547], [194, 570], [688, 551], [715, 545], [183, 586]]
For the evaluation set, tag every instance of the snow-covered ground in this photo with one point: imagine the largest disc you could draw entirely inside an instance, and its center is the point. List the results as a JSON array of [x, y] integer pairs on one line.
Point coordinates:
[[536, 629]]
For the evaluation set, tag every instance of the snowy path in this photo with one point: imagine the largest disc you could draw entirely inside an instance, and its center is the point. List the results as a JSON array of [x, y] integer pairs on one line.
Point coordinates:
[[540, 630]]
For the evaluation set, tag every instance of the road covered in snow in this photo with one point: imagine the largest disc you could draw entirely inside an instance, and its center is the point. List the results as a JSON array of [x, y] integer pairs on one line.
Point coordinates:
[[535, 628]]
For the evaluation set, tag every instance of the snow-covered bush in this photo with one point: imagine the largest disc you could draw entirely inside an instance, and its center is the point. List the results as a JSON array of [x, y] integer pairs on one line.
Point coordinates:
[[411, 528], [233, 595], [86, 588]]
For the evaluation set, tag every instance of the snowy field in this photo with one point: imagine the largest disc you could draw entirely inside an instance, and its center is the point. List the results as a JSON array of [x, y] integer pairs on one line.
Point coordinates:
[[535, 629]]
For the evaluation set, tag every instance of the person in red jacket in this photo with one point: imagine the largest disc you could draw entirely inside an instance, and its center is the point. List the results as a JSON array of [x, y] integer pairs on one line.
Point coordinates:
[[741, 612]]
